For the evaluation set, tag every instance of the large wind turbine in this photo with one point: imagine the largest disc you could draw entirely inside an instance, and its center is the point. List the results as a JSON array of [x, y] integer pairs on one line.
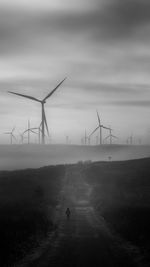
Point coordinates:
[[100, 126], [11, 135], [43, 101], [110, 136]]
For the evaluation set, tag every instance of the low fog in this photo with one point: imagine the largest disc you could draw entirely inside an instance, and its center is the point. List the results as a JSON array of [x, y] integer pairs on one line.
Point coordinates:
[[35, 156]]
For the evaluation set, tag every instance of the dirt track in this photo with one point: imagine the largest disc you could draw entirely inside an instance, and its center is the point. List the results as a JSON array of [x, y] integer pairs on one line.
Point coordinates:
[[83, 240]]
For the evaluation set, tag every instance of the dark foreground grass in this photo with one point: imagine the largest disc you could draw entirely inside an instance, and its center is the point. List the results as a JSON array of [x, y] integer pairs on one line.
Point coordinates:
[[27, 202], [121, 194]]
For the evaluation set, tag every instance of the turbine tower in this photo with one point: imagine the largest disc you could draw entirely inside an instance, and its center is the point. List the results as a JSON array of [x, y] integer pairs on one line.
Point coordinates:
[[11, 135], [100, 126], [21, 138], [110, 136], [89, 140], [131, 140], [43, 101]]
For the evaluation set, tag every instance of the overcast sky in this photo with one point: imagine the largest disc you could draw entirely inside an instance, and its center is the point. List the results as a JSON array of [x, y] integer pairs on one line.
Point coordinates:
[[102, 46]]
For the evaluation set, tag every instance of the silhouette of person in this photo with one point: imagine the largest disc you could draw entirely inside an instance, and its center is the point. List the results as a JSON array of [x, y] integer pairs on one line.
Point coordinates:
[[68, 213]]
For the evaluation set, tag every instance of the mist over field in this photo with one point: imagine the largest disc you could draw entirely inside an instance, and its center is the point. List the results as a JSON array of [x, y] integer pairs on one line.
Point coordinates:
[[35, 156]]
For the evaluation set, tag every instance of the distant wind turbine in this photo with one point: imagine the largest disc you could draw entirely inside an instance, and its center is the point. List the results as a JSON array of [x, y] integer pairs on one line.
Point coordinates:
[[131, 140], [110, 136], [85, 138], [39, 131], [21, 138], [89, 140], [11, 135], [100, 126], [29, 130], [43, 101]]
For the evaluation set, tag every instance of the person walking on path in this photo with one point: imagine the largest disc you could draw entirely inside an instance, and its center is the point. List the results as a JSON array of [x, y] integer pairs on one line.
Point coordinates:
[[68, 213]]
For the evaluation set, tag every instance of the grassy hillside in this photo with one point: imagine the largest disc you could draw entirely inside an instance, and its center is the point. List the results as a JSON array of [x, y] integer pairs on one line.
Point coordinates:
[[27, 201], [121, 194]]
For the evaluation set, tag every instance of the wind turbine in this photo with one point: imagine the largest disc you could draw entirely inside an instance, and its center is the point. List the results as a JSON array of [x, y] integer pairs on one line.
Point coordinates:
[[21, 137], [89, 140], [86, 138], [131, 140], [100, 126], [11, 135], [29, 130], [43, 101], [110, 136], [39, 131]]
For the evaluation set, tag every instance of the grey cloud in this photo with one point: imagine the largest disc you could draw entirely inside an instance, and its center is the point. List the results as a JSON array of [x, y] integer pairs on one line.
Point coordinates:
[[88, 105], [125, 16], [99, 103], [129, 103], [20, 30], [110, 89], [114, 19], [75, 86]]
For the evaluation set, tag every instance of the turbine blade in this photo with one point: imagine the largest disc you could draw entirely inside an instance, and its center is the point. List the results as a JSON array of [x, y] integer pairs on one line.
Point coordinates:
[[32, 131], [114, 136], [54, 89], [94, 131], [46, 122], [98, 118], [26, 96], [13, 129], [105, 127], [107, 137], [14, 137], [35, 128], [25, 131]]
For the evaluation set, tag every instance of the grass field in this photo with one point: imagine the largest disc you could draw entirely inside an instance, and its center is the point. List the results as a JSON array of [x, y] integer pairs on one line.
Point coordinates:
[[27, 201], [121, 194]]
